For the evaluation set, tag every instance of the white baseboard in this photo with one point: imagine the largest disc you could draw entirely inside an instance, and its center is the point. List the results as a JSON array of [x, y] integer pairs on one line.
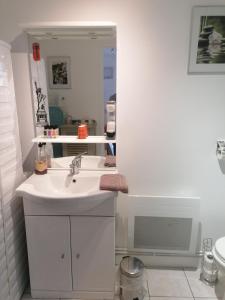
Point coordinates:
[[162, 259]]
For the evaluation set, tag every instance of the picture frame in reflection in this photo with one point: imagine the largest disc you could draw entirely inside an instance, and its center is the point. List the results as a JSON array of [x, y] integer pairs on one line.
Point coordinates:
[[59, 72], [207, 41]]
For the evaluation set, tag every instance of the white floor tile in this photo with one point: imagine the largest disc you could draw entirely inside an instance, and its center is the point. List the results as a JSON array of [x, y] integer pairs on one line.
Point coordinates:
[[117, 280], [172, 298], [118, 298], [168, 283], [28, 297], [200, 289], [206, 298]]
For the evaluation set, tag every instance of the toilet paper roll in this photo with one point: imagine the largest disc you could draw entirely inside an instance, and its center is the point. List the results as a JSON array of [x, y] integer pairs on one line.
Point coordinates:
[[220, 154], [111, 107], [111, 126], [209, 261], [209, 275]]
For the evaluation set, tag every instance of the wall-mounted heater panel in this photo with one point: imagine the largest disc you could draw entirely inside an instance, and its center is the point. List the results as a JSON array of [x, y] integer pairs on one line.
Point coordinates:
[[163, 224]]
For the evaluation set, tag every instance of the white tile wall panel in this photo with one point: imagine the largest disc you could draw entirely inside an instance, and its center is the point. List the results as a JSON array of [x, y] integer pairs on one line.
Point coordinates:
[[7, 200], [13, 256], [16, 283], [2, 250], [5, 110], [11, 208], [15, 239], [9, 187], [13, 250], [4, 94], [7, 155], [2, 240], [13, 260], [3, 279], [12, 223], [4, 292], [6, 128], [6, 142], [3, 263], [17, 289], [9, 169]]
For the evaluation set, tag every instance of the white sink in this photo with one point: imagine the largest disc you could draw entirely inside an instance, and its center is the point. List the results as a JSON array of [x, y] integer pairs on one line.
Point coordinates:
[[58, 193], [60, 185], [88, 162]]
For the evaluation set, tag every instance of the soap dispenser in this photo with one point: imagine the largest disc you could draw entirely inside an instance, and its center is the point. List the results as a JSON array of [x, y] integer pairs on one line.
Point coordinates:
[[41, 161], [111, 119]]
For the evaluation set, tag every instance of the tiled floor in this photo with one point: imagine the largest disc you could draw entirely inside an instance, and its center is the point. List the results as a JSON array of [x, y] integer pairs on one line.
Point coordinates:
[[174, 284]]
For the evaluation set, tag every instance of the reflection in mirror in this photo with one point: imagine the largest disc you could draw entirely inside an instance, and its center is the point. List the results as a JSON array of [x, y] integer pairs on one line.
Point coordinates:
[[77, 76]]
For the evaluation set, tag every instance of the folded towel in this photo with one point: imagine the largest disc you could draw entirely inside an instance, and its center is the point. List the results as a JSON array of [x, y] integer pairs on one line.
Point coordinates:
[[113, 182], [110, 161]]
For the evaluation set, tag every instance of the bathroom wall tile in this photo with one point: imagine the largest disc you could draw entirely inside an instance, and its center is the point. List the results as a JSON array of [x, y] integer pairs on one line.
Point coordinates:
[[200, 289], [168, 283]]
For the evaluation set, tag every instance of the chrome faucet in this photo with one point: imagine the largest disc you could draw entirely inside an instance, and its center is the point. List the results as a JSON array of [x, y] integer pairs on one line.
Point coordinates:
[[76, 164]]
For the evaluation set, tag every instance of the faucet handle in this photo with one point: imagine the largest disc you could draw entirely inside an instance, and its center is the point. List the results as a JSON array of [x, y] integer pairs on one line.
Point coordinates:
[[81, 154], [77, 160]]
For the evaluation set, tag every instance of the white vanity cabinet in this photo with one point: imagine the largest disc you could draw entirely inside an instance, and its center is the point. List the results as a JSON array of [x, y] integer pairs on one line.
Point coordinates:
[[92, 244], [71, 255], [48, 242]]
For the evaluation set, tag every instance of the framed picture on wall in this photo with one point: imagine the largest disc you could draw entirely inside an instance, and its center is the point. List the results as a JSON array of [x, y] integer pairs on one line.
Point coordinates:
[[207, 44], [59, 73]]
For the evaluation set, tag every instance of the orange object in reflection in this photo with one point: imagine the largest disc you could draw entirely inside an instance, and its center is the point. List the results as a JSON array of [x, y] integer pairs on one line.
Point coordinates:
[[82, 131], [36, 52]]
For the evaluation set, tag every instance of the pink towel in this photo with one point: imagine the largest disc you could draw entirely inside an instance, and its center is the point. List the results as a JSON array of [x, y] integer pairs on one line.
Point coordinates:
[[113, 182], [110, 161]]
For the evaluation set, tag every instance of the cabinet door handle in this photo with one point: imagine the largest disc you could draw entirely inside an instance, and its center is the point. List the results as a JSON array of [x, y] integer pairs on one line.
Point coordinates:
[[63, 256], [78, 256]]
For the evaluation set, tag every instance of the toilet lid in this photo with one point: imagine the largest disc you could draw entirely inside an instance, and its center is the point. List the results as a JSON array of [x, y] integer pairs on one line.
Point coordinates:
[[220, 248]]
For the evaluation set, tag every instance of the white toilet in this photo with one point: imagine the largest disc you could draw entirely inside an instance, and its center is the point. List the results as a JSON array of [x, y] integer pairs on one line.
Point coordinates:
[[219, 254]]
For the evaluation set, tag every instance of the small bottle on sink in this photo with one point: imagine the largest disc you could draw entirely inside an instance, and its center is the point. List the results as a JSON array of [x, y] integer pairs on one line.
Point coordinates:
[[41, 164]]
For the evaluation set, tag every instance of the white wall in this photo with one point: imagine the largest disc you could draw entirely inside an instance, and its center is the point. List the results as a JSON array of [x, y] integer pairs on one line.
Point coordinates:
[[168, 121], [85, 99]]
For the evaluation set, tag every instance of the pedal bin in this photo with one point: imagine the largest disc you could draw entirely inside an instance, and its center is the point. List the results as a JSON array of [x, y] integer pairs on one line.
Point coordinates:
[[132, 279]]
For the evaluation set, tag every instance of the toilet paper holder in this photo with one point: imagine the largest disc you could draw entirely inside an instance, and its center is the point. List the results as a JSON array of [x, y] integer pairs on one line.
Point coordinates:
[[220, 149], [209, 272]]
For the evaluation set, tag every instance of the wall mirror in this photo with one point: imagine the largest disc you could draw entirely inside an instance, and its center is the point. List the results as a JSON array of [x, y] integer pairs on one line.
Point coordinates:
[[73, 72]]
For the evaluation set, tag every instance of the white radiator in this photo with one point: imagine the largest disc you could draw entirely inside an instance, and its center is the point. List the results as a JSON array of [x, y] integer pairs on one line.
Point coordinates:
[[168, 225]]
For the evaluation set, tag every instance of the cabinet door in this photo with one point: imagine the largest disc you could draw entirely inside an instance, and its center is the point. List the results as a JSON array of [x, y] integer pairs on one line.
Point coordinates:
[[93, 253], [48, 243]]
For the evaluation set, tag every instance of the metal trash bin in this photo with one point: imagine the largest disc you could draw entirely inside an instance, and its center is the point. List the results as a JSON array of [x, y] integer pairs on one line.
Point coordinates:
[[131, 279]]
